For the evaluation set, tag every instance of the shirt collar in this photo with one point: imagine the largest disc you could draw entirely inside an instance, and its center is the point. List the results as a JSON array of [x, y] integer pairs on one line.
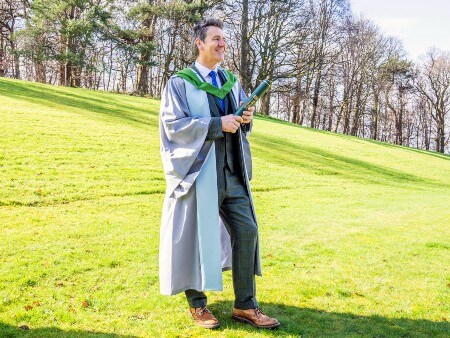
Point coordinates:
[[204, 71]]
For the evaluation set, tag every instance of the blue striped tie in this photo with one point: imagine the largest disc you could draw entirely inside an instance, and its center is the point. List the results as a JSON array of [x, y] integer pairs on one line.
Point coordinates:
[[215, 84]]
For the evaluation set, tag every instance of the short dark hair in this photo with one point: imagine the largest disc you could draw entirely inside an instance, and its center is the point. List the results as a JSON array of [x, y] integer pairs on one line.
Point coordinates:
[[200, 29]]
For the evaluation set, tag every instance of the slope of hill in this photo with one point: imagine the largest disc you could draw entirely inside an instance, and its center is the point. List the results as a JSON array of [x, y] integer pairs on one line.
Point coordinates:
[[354, 233]]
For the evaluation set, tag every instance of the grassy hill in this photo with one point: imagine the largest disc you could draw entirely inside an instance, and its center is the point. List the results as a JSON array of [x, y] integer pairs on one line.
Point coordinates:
[[354, 234]]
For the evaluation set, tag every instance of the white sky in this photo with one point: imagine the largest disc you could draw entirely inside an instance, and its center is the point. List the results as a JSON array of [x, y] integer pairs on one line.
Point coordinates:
[[420, 24]]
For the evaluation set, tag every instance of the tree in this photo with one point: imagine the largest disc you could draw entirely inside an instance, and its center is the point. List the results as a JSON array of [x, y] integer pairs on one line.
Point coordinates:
[[245, 41], [328, 13], [142, 37], [268, 41], [400, 75], [434, 86], [10, 12], [65, 29]]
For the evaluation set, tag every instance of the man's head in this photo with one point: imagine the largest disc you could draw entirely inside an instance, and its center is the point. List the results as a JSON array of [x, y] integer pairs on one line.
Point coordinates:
[[210, 42]]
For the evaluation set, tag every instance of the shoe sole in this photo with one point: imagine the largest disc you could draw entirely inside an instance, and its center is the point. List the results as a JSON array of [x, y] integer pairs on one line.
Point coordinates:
[[244, 320], [212, 326]]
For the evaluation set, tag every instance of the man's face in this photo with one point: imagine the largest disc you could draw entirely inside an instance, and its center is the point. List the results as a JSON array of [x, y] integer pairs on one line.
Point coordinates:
[[213, 48]]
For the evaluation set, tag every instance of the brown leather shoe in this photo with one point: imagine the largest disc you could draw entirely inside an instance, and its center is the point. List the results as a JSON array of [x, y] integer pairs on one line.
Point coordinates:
[[204, 318], [255, 317]]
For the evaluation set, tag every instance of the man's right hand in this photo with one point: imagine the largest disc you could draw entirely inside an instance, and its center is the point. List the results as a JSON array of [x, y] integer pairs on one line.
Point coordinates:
[[231, 123]]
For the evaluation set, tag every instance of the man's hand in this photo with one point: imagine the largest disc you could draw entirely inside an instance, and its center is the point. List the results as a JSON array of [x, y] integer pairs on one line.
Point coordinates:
[[247, 115], [231, 123]]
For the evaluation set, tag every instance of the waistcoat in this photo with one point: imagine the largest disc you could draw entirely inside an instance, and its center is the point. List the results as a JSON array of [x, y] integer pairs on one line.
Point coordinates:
[[227, 148]]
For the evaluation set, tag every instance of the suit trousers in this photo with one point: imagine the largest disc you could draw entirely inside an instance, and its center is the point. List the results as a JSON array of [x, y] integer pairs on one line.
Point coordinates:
[[236, 213]]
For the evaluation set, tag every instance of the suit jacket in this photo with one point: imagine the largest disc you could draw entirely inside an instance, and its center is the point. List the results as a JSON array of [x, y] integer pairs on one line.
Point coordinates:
[[228, 145]]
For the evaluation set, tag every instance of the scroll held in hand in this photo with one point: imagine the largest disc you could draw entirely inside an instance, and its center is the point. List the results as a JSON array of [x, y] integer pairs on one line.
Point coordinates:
[[255, 96]]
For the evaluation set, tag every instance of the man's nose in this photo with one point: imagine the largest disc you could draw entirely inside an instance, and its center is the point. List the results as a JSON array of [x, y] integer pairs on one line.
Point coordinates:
[[222, 42]]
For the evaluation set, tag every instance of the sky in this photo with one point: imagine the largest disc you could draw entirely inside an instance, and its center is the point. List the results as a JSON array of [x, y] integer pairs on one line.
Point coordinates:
[[420, 24]]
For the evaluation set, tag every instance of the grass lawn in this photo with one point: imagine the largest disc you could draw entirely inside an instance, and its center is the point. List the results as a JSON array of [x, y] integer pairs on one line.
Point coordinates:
[[355, 234]]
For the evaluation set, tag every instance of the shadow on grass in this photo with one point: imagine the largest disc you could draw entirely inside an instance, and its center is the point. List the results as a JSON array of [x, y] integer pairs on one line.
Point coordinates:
[[306, 322], [356, 138], [322, 162], [8, 331], [414, 150], [56, 97]]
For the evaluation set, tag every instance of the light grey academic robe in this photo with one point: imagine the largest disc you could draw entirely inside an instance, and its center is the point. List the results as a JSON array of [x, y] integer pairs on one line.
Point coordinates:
[[193, 253]]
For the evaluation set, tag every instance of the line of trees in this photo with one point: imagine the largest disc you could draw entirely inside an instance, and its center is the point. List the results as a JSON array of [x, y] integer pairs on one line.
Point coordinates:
[[331, 70]]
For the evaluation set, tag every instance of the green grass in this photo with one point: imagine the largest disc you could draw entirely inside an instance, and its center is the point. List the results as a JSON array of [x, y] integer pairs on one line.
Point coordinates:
[[354, 233]]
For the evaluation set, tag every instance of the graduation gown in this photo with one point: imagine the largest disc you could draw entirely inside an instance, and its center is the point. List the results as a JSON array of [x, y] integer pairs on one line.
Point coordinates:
[[194, 244]]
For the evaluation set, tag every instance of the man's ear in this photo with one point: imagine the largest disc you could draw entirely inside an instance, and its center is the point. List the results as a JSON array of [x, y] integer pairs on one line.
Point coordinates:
[[199, 43]]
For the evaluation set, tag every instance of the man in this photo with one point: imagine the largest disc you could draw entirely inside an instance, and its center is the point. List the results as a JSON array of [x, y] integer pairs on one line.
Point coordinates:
[[208, 210]]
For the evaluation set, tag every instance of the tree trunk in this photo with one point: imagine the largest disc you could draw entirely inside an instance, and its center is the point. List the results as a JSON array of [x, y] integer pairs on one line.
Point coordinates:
[[331, 106], [16, 64], [315, 100], [39, 68], [441, 135], [265, 104], [2, 56], [168, 58], [244, 62], [69, 74], [359, 106], [399, 120], [62, 65], [142, 74], [123, 78], [347, 112], [16, 72], [148, 26], [297, 101], [374, 126], [77, 76]]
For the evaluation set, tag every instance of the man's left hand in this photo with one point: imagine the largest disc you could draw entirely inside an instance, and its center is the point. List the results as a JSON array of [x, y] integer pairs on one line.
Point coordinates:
[[247, 115]]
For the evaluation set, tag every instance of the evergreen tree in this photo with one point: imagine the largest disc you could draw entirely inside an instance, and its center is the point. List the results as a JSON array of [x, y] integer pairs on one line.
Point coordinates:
[[140, 39], [65, 29]]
